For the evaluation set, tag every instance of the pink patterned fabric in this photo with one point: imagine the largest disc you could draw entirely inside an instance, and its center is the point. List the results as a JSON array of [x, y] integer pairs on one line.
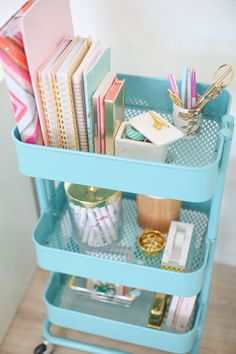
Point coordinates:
[[18, 79]]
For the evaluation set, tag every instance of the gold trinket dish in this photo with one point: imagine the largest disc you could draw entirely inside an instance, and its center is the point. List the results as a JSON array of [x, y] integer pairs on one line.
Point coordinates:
[[151, 242]]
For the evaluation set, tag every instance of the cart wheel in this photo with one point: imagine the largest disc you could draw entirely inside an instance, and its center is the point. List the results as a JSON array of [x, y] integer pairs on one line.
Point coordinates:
[[44, 349], [40, 349]]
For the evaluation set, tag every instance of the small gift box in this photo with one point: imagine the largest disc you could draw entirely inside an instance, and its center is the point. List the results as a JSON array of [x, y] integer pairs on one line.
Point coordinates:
[[157, 135], [135, 149]]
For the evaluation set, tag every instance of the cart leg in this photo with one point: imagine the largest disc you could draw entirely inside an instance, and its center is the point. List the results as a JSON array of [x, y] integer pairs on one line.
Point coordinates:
[[197, 342], [70, 343]]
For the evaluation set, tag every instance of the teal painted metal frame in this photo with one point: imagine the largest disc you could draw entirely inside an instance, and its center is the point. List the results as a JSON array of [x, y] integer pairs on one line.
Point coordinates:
[[163, 340], [208, 182], [196, 184], [227, 131], [134, 275], [73, 344]]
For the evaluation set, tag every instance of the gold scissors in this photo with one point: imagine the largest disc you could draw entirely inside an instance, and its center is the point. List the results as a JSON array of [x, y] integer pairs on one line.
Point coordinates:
[[217, 85], [175, 98]]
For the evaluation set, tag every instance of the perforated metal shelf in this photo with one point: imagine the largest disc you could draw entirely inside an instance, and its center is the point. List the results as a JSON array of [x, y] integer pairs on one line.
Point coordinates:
[[127, 250], [137, 314], [197, 152]]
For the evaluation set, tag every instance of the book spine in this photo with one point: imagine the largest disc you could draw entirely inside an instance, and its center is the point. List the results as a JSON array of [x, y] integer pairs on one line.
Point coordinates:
[[75, 127], [50, 113], [62, 142], [96, 118], [110, 127], [66, 117], [80, 112], [44, 117], [114, 115], [89, 117]]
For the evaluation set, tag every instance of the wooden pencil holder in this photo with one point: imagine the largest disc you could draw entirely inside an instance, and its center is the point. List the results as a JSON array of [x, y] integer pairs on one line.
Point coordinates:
[[157, 213]]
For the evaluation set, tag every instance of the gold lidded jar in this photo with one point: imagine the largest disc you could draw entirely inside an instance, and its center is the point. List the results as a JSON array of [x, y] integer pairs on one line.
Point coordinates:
[[96, 215]]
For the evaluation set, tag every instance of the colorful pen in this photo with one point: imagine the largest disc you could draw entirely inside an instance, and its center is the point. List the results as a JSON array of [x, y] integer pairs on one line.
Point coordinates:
[[184, 86], [189, 90], [193, 87], [173, 84]]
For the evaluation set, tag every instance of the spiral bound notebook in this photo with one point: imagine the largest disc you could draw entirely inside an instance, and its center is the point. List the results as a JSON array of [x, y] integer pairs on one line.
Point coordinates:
[[62, 79], [47, 95], [78, 91]]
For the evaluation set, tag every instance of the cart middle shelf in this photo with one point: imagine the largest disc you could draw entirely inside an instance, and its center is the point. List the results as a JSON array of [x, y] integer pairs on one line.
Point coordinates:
[[122, 263]]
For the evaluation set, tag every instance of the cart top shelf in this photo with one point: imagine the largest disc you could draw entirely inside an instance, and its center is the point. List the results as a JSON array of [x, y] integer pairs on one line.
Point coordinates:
[[189, 172]]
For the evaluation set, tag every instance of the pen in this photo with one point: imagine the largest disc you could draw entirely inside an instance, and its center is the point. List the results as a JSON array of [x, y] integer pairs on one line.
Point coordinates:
[[183, 87], [189, 91], [173, 84], [193, 87]]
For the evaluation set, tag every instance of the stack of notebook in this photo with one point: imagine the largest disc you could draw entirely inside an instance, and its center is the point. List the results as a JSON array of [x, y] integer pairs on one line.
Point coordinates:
[[83, 102], [108, 113]]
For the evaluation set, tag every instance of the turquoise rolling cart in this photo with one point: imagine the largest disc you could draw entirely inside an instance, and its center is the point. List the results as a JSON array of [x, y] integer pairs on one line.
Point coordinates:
[[193, 172]]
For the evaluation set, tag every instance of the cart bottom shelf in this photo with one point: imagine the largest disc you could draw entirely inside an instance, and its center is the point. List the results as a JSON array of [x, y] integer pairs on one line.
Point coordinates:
[[69, 309]]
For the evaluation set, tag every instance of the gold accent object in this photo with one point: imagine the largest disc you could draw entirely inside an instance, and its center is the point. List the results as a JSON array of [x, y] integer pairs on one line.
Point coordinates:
[[175, 98], [157, 311], [90, 196], [158, 122], [151, 242], [217, 85]]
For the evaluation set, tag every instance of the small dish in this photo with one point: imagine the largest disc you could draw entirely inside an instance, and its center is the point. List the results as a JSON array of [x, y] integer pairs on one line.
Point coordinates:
[[151, 242]]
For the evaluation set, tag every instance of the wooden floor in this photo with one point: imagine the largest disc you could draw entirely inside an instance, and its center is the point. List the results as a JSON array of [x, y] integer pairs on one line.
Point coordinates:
[[219, 335]]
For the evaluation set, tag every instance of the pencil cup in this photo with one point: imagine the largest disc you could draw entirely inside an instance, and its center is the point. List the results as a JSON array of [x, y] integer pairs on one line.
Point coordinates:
[[96, 216], [189, 121]]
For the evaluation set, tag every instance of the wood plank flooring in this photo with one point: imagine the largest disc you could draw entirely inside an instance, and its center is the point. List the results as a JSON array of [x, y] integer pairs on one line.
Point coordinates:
[[219, 335]]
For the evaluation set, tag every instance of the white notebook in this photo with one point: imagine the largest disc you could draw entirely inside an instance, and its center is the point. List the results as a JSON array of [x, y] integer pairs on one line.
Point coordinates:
[[47, 96], [78, 92]]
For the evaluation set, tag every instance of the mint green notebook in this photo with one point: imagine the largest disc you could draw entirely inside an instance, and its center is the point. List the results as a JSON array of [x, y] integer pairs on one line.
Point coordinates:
[[93, 75]]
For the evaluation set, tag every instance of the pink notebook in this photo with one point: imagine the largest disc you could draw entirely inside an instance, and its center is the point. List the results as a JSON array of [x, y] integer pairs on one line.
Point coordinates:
[[43, 27], [102, 116]]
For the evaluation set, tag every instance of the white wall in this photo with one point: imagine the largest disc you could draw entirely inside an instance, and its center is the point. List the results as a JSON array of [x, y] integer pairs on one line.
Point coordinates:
[[17, 210], [153, 37], [17, 220]]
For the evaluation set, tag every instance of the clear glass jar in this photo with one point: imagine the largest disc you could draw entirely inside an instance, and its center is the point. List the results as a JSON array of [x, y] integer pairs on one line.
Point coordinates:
[[96, 216]]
